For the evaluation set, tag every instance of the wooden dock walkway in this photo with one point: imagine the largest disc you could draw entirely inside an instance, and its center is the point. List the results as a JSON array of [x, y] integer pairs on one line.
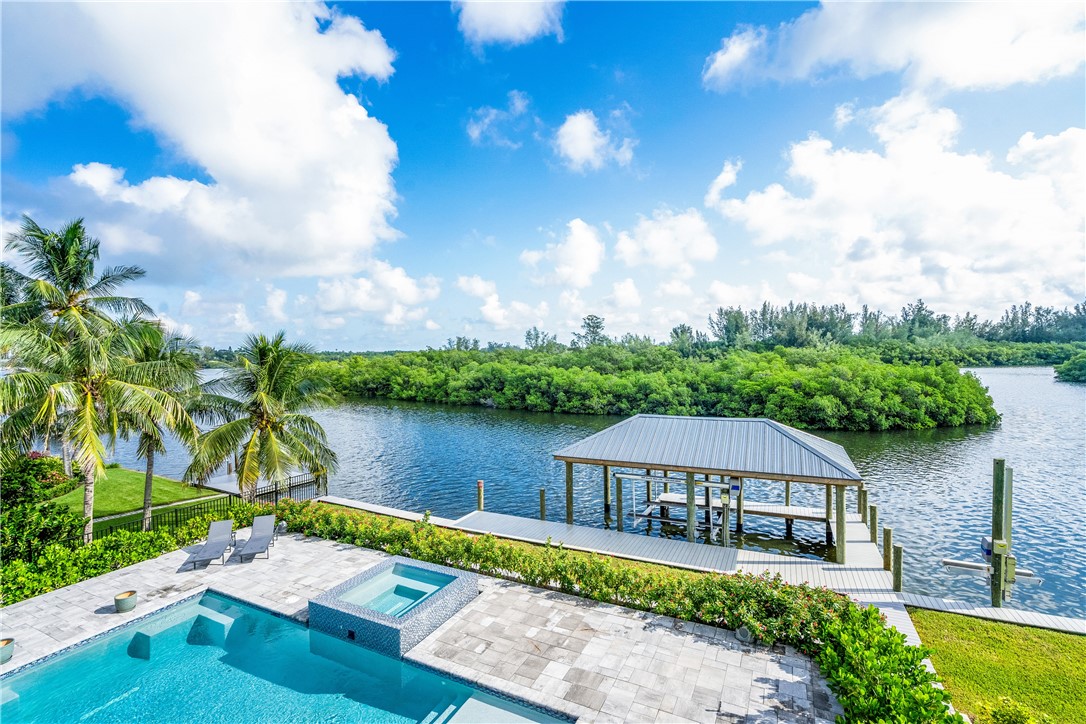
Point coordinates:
[[647, 549]]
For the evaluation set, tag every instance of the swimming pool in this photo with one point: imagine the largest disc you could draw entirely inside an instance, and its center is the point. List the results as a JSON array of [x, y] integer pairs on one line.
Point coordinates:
[[213, 658]]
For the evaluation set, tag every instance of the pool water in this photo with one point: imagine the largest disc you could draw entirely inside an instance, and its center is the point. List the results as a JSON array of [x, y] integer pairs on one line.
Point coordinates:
[[214, 659], [397, 590]]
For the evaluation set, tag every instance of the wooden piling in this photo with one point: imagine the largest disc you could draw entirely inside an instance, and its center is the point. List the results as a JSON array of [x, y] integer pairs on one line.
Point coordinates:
[[618, 501], [569, 493], [691, 516], [840, 543], [479, 501], [788, 522], [829, 515], [873, 523], [542, 503], [726, 500], [739, 508], [861, 504], [898, 554], [606, 489], [887, 546], [999, 530]]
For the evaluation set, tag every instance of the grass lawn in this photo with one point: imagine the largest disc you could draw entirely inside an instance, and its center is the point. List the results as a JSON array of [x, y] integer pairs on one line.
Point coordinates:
[[122, 491], [980, 661]]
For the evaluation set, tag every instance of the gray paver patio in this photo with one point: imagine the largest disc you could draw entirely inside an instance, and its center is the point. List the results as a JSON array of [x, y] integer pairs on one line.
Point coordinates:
[[592, 661]]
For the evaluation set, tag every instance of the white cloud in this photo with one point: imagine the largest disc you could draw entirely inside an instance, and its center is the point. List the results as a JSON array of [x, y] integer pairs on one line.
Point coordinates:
[[668, 241], [624, 294], [722, 67], [387, 290], [485, 22], [500, 316], [296, 175], [275, 303], [183, 329], [584, 146], [494, 126], [118, 239], [725, 179], [843, 115], [918, 218], [936, 45], [576, 258], [431, 325]]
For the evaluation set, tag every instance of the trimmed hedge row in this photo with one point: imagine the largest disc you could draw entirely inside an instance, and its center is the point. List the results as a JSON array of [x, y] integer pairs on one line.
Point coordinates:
[[876, 676]]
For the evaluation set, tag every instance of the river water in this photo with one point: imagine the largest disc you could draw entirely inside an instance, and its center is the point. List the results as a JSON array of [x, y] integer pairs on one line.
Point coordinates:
[[933, 487]]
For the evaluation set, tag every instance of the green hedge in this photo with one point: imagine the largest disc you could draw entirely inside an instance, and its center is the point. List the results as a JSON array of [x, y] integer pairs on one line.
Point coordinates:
[[1073, 370], [876, 676]]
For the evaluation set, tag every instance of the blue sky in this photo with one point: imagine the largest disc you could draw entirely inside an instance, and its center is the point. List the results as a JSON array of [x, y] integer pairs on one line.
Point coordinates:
[[388, 175]]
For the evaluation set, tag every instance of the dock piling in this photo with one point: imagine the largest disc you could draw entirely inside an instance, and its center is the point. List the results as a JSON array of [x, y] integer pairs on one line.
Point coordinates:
[[898, 554], [788, 522], [829, 515], [479, 502], [618, 501], [887, 546], [739, 508], [606, 489], [839, 548], [542, 503], [873, 523], [691, 516], [569, 493]]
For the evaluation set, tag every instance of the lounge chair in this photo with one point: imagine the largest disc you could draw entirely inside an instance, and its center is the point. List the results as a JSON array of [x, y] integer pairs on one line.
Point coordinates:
[[220, 536], [263, 535]]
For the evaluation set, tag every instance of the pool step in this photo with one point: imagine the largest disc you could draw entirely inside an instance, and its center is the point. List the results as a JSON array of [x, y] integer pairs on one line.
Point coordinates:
[[208, 628], [445, 708]]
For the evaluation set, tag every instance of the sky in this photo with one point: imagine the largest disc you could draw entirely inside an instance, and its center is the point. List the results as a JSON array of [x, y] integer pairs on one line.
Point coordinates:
[[370, 176]]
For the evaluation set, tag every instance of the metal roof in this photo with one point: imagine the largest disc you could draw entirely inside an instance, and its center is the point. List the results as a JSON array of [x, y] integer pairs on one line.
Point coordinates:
[[742, 447]]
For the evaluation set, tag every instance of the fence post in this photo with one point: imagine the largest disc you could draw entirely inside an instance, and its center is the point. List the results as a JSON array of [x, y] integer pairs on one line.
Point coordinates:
[[898, 553]]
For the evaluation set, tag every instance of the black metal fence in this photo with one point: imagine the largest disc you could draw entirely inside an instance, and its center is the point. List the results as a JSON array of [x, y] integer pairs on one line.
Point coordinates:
[[296, 487]]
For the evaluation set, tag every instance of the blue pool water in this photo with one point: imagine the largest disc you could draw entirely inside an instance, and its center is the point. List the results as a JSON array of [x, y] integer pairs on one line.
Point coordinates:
[[397, 590], [212, 659]]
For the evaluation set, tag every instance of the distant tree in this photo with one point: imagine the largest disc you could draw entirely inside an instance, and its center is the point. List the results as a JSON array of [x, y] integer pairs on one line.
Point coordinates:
[[591, 333], [919, 321], [686, 341], [462, 344], [537, 339], [730, 326]]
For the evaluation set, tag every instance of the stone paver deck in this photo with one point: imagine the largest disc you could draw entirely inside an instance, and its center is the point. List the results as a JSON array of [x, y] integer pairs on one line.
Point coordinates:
[[592, 661]]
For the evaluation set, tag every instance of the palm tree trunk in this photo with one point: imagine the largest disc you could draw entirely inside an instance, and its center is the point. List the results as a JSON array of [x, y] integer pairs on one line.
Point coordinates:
[[88, 502], [66, 451], [147, 489]]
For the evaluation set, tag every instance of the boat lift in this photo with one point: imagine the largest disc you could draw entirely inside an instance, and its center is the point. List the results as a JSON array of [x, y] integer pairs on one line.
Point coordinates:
[[1000, 567]]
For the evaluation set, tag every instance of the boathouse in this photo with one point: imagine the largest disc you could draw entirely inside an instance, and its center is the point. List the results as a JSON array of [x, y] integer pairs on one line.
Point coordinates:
[[713, 460]]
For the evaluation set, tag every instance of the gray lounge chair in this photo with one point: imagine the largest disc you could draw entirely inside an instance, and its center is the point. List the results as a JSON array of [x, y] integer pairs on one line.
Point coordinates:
[[263, 535], [220, 536]]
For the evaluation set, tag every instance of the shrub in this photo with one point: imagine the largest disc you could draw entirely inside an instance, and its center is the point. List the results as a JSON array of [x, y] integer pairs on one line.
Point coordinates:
[[35, 478], [27, 528]]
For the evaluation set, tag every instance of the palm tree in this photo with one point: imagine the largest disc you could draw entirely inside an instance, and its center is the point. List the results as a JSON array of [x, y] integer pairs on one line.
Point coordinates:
[[61, 282], [82, 376], [262, 400], [174, 355]]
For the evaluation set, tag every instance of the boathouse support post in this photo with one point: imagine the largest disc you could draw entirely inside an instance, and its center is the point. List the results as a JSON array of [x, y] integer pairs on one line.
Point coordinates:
[[739, 508], [887, 546], [479, 500], [726, 504], [861, 504], [873, 523], [569, 493], [618, 501], [606, 489], [899, 552], [788, 522], [829, 515], [542, 503], [691, 516], [840, 524]]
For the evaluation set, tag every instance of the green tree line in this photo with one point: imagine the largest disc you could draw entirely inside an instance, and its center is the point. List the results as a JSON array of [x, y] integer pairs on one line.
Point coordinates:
[[835, 389]]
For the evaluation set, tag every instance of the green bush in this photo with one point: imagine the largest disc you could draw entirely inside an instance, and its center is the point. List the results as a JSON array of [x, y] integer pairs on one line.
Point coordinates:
[[1008, 711], [35, 478], [1073, 370], [27, 528]]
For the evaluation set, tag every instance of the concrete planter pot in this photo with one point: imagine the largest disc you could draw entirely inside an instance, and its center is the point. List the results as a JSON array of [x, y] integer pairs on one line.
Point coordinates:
[[7, 648], [125, 602]]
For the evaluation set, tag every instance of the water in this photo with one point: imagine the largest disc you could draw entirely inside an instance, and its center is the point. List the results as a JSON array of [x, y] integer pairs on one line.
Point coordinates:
[[268, 669], [398, 590], [933, 487]]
